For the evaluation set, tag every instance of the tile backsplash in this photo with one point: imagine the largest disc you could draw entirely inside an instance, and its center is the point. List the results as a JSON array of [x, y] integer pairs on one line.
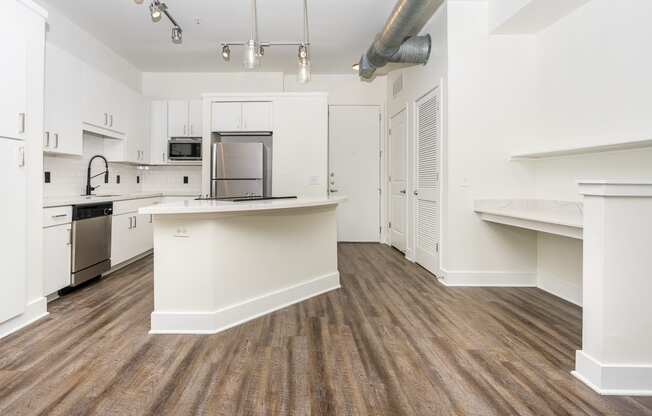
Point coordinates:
[[68, 175]]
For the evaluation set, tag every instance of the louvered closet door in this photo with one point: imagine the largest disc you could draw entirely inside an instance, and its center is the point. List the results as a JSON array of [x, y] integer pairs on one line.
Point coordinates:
[[427, 201]]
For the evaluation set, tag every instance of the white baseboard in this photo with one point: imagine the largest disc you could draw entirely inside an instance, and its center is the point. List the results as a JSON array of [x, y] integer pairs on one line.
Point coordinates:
[[568, 291], [611, 379], [34, 311], [455, 278], [115, 268], [212, 322]]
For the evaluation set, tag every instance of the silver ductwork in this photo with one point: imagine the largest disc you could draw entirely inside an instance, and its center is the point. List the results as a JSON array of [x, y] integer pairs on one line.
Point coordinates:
[[398, 42]]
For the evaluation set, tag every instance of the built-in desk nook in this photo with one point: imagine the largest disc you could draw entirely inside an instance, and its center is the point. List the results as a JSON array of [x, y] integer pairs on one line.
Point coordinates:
[[616, 227]]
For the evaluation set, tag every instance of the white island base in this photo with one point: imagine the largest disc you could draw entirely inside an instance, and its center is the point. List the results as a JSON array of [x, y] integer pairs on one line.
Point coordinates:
[[218, 264]]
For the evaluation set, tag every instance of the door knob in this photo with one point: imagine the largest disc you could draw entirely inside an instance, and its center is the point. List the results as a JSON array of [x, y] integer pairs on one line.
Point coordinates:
[[403, 191], [416, 193], [333, 190]]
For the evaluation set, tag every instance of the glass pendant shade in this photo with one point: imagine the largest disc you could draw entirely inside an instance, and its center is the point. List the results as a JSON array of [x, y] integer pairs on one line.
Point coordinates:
[[303, 76], [251, 55]]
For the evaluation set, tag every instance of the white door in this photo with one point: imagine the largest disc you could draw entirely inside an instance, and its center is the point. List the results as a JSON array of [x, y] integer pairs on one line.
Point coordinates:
[[13, 223], [14, 71], [226, 116], [257, 116], [427, 196], [56, 258], [178, 118], [195, 122], [398, 180], [354, 160]]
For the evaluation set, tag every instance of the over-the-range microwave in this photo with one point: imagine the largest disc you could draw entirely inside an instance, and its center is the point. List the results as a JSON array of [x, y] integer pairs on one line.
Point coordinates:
[[184, 149]]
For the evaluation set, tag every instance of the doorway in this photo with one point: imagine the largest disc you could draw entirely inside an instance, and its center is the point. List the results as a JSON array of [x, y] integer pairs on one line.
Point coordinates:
[[354, 170]]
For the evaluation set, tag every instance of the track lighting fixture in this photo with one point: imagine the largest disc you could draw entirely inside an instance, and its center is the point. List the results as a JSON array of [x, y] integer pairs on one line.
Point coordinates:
[[156, 11], [226, 53], [255, 49]]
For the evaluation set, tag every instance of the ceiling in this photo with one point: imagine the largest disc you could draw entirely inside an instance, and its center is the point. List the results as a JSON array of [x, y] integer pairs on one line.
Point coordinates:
[[341, 30]]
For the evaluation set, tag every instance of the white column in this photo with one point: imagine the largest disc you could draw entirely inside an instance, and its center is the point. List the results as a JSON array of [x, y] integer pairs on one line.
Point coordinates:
[[616, 355]]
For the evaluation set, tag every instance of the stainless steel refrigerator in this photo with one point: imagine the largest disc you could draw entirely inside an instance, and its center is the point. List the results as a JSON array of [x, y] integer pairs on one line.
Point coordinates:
[[237, 170]]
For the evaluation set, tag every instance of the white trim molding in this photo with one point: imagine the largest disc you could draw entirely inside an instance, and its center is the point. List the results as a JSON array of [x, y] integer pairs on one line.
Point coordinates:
[[35, 310], [479, 278], [609, 379], [212, 322]]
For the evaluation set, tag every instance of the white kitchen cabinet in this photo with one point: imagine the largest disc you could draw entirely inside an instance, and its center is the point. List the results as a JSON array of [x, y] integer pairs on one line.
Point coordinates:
[[57, 245], [185, 118], [104, 103], [158, 132], [226, 116], [241, 116], [177, 118], [257, 116], [13, 223], [195, 111], [132, 233], [63, 128], [123, 241], [13, 73], [137, 146]]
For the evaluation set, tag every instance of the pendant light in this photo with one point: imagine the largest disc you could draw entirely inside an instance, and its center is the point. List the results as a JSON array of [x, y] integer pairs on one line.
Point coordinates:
[[303, 74], [254, 49], [251, 57]]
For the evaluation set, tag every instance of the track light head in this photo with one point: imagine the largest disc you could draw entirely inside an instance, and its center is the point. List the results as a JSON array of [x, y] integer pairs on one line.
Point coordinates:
[[226, 53], [156, 11], [177, 34]]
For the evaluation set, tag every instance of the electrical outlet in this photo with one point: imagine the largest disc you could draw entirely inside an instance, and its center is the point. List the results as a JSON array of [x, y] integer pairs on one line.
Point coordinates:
[[138, 179], [185, 179], [181, 233], [117, 179], [313, 181], [48, 177]]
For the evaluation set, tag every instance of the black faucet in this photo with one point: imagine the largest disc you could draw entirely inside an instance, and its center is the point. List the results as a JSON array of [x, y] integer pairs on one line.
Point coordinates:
[[89, 188]]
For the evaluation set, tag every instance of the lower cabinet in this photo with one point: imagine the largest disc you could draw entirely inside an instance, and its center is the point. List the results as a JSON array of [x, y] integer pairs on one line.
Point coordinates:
[[131, 235], [56, 257]]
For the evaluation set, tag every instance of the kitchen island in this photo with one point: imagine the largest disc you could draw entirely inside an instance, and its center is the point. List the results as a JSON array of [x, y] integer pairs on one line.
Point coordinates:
[[221, 263]]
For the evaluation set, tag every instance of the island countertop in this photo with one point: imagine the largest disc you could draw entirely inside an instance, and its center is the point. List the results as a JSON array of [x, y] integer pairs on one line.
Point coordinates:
[[213, 206]]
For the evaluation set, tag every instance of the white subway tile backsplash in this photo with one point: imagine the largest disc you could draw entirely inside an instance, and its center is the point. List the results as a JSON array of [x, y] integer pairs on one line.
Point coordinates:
[[68, 175]]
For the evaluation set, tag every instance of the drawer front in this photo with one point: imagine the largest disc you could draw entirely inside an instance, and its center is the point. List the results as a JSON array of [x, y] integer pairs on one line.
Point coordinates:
[[132, 205], [57, 216]]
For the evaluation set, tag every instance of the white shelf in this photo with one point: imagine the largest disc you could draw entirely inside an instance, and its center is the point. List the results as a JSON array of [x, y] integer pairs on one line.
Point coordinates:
[[580, 150], [552, 217]]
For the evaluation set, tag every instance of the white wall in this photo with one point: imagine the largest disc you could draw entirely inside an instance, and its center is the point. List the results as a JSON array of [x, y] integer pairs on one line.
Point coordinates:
[[593, 85], [184, 85], [417, 81], [489, 82], [343, 89], [62, 32]]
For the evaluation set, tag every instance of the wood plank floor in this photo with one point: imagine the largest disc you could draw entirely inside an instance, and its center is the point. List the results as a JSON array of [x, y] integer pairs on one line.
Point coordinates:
[[392, 341]]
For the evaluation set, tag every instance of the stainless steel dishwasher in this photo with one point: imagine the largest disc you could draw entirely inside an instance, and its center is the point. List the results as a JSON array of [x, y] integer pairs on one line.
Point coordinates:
[[91, 241]]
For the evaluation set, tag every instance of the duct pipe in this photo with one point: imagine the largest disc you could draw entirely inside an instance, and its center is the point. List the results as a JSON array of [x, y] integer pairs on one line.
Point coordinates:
[[397, 41]]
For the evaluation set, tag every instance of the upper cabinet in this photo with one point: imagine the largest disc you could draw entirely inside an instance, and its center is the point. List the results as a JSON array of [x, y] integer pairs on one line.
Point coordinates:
[[13, 102], [158, 132], [185, 118], [63, 128], [103, 103], [241, 116]]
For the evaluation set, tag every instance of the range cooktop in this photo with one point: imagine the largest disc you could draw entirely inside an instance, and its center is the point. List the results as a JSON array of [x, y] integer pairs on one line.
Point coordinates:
[[246, 198]]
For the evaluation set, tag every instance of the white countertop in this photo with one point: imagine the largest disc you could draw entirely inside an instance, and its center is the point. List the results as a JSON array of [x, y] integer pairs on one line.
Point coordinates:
[[555, 217], [81, 199], [206, 207]]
